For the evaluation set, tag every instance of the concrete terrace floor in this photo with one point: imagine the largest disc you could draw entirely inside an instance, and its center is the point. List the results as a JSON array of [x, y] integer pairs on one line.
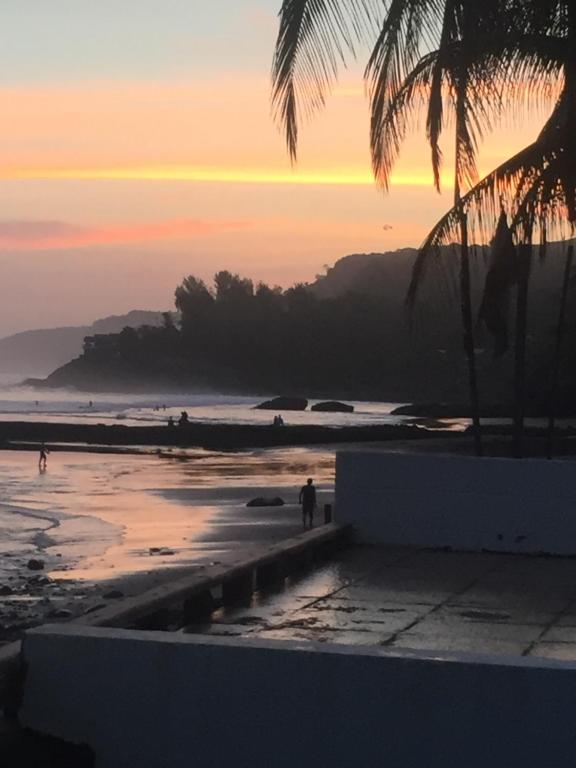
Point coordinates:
[[421, 600]]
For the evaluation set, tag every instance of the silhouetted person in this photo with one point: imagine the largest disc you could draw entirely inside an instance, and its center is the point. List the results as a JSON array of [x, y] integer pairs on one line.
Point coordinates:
[[170, 421], [308, 500], [43, 458], [280, 420], [183, 420]]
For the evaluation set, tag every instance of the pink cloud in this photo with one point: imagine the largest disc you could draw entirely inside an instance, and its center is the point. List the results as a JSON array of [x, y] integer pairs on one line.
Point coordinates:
[[59, 235]]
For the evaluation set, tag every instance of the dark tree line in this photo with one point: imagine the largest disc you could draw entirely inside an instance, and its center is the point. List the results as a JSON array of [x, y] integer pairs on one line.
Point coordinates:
[[238, 336]]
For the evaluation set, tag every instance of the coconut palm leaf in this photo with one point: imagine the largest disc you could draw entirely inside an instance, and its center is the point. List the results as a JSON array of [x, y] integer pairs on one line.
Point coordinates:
[[313, 40], [538, 186], [538, 183], [407, 29], [457, 73]]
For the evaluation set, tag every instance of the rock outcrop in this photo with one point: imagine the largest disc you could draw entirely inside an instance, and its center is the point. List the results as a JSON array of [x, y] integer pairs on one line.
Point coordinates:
[[284, 404], [266, 501], [333, 406]]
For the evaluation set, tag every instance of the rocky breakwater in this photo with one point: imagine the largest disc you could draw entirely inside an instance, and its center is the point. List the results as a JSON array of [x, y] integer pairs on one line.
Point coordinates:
[[22, 435]]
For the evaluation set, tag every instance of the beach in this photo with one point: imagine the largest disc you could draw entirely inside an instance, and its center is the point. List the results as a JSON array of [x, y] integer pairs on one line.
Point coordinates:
[[104, 522], [104, 526]]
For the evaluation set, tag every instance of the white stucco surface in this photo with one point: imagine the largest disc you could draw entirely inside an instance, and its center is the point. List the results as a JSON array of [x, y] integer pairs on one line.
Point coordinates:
[[152, 700], [496, 504]]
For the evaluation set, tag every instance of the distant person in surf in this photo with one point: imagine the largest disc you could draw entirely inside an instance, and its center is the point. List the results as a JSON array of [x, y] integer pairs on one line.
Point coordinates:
[[183, 420], [307, 499], [43, 458]]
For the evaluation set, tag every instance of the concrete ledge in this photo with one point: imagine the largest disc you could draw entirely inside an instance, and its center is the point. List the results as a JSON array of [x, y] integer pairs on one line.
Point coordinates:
[[156, 699], [135, 610], [496, 504], [188, 595]]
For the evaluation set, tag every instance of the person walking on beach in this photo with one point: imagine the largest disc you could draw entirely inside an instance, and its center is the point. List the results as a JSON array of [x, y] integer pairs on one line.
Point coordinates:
[[307, 499], [43, 458]]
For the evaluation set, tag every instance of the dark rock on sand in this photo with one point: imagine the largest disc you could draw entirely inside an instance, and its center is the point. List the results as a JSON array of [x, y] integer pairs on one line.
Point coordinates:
[[284, 404], [35, 565], [333, 406], [95, 607], [113, 594], [161, 551], [60, 613], [38, 581], [266, 501]]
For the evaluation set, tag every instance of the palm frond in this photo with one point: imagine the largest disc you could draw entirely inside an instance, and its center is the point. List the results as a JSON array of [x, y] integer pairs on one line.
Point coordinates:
[[313, 39], [537, 185], [410, 97], [409, 27]]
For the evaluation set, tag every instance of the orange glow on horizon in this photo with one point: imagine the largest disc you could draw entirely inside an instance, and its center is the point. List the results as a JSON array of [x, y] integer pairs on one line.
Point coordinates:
[[344, 177], [217, 130]]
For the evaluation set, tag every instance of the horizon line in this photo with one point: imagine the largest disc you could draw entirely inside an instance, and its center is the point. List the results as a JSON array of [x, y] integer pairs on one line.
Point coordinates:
[[217, 175]]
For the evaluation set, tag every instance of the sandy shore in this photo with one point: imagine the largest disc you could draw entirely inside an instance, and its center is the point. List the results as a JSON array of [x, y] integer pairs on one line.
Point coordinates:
[[104, 526]]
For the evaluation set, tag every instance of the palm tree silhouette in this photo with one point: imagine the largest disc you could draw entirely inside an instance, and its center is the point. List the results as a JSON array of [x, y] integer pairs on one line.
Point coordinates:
[[479, 59]]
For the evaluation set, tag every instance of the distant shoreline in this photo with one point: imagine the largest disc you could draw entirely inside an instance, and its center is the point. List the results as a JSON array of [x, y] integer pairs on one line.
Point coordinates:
[[210, 436]]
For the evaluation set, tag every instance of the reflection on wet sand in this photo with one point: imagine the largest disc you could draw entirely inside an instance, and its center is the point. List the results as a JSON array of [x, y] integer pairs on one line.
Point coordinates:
[[125, 514]]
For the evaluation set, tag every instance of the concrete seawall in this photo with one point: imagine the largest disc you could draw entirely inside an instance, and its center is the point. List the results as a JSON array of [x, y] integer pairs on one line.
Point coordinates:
[[187, 597], [151, 700], [507, 505]]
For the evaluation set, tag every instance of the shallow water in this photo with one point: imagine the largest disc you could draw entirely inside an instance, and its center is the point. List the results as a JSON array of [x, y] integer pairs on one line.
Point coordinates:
[[28, 404], [97, 516]]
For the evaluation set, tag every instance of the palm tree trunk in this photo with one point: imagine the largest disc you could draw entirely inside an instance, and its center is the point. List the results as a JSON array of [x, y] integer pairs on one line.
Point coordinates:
[[465, 284], [524, 257], [468, 333], [560, 328]]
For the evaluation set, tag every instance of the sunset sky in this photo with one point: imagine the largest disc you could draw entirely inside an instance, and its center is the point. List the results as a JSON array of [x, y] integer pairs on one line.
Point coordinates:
[[137, 147]]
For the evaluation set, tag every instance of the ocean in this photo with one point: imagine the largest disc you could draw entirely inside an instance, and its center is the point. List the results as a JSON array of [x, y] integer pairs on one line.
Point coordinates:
[[30, 404]]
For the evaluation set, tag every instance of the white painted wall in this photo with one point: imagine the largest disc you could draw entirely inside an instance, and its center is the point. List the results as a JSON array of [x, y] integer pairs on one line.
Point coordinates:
[[161, 700], [510, 505]]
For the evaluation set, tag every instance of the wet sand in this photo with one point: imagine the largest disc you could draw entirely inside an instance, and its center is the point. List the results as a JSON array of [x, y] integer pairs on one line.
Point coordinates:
[[105, 526]]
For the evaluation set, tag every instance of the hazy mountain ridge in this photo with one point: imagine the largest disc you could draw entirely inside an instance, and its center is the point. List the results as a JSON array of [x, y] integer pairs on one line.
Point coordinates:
[[40, 351], [369, 273]]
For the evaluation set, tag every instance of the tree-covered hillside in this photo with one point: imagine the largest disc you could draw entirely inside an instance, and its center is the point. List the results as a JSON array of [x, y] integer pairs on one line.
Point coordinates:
[[348, 334]]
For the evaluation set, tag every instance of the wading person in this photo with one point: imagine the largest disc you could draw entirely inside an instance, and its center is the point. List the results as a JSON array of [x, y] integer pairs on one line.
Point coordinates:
[[307, 499], [43, 458]]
